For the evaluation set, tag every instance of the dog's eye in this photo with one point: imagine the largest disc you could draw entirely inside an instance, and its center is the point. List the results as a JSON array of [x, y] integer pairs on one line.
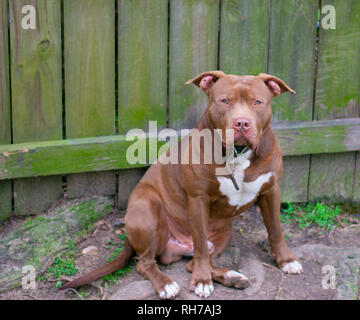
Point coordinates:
[[258, 102], [225, 101]]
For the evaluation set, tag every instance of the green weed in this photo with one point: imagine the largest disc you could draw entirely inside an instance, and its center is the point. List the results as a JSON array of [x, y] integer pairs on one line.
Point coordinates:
[[307, 214], [114, 254], [60, 267], [113, 277]]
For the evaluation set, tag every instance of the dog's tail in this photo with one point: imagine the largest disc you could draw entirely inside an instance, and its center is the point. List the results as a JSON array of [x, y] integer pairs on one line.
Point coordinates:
[[120, 262]]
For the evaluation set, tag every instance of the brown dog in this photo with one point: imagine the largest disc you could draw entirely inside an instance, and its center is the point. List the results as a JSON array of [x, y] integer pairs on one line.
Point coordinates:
[[187, 209]]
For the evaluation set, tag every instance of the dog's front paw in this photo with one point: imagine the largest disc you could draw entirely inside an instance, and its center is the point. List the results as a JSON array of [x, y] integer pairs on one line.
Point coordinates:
[[292, 267], [170, 291], [203, 290], [201, 279]]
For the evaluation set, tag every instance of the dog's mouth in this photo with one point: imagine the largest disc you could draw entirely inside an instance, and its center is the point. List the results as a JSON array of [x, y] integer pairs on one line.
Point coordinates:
[[239, 140], [240, 144], [247, 140], [237, 149], [240, 149]]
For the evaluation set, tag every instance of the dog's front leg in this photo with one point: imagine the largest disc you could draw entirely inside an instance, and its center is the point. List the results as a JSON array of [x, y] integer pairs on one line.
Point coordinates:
[[201, 280], [270, 209]]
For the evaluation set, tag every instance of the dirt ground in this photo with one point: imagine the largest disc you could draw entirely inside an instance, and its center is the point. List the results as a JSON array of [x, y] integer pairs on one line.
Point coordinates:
[[249, 253]]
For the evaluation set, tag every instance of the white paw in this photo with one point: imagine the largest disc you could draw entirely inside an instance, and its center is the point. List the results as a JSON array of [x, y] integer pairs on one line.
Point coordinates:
[[292, 267], [170, 291], [236, 279], [234, 274], [204, 290]]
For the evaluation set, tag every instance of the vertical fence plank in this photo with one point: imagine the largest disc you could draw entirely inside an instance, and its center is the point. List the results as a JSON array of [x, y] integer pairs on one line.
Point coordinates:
[[36, 102], [291, 58], [337, 96], [142, 74], [244, 36], [89, 54], [5, 128], [356, 187], [193, 49], [142, 64]]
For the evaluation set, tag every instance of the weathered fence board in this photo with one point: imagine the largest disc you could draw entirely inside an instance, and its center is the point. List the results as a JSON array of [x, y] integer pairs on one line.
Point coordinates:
[[36, 102], [337, 90], [332, 176], [142, 63], [109, 153], [291, 57], [142, 73], [244, 36], [337, 96], [193, 49], [356, 188], [5, 126], [314, 137], [65, 156], [89, 41]]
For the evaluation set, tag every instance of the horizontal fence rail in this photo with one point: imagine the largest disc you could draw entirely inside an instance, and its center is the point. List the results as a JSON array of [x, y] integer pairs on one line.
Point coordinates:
[[109, 152]]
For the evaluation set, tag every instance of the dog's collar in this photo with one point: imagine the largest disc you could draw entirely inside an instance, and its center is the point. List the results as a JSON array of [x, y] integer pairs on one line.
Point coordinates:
[[238, 150]]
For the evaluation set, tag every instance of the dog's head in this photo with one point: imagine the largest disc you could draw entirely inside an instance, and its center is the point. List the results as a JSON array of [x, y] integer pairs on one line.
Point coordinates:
[[241, 103]]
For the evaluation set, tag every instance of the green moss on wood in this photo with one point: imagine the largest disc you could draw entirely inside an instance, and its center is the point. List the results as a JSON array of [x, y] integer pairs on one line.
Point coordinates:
[[109, 153]]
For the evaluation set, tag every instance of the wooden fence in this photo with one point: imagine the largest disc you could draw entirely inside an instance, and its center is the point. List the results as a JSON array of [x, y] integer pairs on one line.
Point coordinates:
[[93, 69]]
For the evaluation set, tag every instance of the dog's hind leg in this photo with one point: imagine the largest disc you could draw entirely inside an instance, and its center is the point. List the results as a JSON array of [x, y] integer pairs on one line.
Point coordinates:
[[147, 231]]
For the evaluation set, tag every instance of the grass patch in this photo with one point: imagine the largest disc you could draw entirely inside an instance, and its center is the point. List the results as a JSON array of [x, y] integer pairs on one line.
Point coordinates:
[[32, 222], [115, 276], [119, 248], [61, 267], [306, 214]]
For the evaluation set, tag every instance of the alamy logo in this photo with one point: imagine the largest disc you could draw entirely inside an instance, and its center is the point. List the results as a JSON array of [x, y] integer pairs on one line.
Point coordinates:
[[195, 146], [329, 20], [28, 281], [329, 280], [28, 21]]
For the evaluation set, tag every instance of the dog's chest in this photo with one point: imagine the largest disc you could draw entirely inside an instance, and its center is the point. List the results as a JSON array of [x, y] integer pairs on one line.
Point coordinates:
[[248, 191]]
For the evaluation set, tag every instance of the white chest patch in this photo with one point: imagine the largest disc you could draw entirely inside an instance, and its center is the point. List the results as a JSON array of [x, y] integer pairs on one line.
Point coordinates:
[[248, 190]]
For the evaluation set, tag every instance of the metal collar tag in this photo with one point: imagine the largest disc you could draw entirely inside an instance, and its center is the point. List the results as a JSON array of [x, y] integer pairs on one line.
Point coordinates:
[[237, 151]]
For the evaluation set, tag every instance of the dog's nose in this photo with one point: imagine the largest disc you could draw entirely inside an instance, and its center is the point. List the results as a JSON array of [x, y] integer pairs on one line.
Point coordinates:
[[242, 124]]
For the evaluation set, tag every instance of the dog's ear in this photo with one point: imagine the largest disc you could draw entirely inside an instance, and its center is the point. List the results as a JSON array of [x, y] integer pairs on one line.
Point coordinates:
[[275, 85], [206, 80]]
